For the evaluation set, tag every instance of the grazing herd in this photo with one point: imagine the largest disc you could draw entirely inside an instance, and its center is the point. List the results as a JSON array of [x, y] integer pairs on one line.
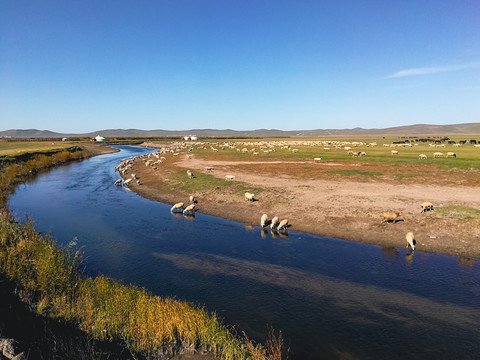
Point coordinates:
[[275, 224], [154, 160], [394, 217]]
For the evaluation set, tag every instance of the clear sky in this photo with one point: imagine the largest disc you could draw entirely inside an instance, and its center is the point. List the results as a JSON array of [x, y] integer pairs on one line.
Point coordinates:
[[80, 66]]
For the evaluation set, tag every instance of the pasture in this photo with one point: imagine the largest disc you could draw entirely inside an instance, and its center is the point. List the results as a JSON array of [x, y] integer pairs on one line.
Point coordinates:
[[342, 195]]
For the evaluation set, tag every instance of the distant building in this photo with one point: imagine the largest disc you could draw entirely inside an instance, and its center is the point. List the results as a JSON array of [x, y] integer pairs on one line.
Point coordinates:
[[190, 137], [99, 138]]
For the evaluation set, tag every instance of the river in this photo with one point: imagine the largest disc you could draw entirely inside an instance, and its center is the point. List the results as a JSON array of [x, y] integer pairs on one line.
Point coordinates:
[[332, 299]]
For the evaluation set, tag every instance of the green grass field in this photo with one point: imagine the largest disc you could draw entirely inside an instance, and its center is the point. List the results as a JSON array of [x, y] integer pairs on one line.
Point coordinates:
[[17, 148], [468, 156]]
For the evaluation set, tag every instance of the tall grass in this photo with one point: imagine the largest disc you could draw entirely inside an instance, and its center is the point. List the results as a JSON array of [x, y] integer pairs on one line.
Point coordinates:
[[50, 281]]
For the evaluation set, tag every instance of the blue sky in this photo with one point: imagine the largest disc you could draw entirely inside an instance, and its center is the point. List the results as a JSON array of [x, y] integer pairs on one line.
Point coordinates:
[[81, 66]]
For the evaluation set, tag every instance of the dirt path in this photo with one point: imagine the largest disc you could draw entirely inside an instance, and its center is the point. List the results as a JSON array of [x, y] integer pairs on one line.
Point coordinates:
[[340, 208]]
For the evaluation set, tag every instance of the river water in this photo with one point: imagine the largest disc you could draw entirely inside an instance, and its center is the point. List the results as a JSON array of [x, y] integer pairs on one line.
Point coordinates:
[[332, 299]]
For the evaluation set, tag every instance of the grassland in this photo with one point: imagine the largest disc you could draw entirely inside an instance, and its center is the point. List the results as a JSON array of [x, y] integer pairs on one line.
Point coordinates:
[[49, 279], [340, 196]]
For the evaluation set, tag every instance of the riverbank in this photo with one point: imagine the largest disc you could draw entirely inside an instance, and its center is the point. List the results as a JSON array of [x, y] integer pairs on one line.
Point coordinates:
[[130, 321], [317, 198]]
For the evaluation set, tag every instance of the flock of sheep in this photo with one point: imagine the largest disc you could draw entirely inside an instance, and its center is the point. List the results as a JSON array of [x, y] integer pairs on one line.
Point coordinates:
[[387, 217], [254, 148], [185, 210], [275, 224]]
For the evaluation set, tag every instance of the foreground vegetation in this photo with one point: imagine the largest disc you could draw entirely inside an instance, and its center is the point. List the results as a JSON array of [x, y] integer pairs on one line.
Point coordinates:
[[50, 281]]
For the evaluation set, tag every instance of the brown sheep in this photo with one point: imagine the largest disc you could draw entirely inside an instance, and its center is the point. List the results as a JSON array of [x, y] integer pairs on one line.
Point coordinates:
[[387, 217]]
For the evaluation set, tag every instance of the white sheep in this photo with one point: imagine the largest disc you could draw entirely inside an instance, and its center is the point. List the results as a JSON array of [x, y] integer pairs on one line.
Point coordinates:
[[437, 154], [229, 177], [410, 240], [190, 210], [422, 157], [263, 220], [274, 223], [128, 181], [190, 174], [177, 206], [317, 159], [426, 206], [451, 154], [394, 152], [249, 197], [283, 225], [192, 199], [118, 182]]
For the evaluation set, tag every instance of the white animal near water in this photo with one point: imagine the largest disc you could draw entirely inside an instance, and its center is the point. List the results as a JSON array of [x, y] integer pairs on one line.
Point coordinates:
[[189, 210], [263, 220], [177, 206], [274, 223], [249, 196], [283, 224], [410, 240], [118, 182]]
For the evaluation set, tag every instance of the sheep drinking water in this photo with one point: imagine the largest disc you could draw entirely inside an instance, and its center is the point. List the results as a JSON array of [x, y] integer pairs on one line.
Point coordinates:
[[410, 240], [190, 210], [177, 206], [274, 223], [283, 224], [263, 220]]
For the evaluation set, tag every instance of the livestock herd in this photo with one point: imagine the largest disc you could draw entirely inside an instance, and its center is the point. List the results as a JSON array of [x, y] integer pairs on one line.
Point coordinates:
[[154, 160]]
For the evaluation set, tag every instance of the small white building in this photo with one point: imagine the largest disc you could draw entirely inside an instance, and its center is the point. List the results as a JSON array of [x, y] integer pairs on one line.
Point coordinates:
[[99, 138]]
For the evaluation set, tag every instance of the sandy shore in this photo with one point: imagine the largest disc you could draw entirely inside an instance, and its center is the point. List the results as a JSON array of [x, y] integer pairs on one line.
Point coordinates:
[[332, 206]]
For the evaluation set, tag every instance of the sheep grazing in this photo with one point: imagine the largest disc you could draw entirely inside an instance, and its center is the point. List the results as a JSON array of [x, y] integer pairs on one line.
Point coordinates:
[[451, 154], [263, 220], [437, 154], [192, 200], [249, 197], [190, 174], [317, 159], [274, 223], [128, 181], [229, 177], [387, 217], [283, 225], [177, 206], [422, 157], [190, 210], [410, 240], [426, 206], [209, 168], [118, 182], [394, 152]]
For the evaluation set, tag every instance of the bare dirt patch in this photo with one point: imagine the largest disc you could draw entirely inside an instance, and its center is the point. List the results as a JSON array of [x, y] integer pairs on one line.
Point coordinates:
[[342, 200]]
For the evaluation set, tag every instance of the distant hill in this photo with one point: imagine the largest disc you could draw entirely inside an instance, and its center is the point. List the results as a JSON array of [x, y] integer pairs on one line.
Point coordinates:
[[409, 130]]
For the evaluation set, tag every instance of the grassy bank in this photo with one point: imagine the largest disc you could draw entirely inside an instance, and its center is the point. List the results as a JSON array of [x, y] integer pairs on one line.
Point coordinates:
[[49, 280]]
